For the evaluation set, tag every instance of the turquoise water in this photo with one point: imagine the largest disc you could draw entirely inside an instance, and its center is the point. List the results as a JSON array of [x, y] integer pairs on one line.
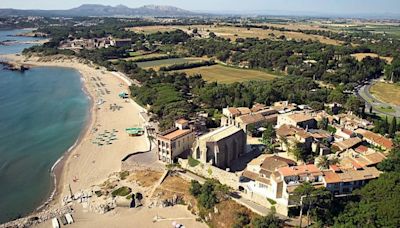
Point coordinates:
[[10, 35], [42, 112]]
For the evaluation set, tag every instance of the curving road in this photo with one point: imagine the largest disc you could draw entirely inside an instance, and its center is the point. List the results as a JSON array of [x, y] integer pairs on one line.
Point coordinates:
[[370, 100]]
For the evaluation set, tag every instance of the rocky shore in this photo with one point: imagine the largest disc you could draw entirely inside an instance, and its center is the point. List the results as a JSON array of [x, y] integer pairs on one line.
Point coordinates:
[[37, 218], [13, 66]]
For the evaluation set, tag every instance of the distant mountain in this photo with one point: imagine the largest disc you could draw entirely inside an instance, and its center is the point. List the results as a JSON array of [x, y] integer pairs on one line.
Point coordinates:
[[104, 11]]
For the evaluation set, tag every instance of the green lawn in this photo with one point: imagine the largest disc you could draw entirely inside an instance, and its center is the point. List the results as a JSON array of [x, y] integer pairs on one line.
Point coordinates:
[[156, 64], [225, 74]]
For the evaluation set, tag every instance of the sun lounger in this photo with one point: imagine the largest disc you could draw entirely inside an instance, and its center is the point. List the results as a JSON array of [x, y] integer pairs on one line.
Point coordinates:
[[63, 220], [55, 223], [69, 218]]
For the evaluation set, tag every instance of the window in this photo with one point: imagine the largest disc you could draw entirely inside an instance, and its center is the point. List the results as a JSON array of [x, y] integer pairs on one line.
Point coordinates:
[[167, 144], [173, 145]]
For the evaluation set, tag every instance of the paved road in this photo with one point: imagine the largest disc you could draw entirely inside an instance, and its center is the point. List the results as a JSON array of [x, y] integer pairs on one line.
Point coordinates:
[[371, 100]]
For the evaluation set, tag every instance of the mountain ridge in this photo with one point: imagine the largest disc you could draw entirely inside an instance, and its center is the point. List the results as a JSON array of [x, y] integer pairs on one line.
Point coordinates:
[[104, 10]]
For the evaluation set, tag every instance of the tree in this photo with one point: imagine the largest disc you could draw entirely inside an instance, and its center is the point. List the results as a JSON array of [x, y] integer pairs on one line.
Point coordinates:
[[324, 162], [242, 219], [268, 137], [195, 188], [298, 151], [323, 124], [316, 201], [377, 205], [269, 221], [208, 194], [212, 35], [354, 104], [207, 198], [392, 163], [393, 127]]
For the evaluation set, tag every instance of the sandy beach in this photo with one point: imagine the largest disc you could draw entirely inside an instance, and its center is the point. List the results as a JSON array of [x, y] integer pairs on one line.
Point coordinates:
[[89, 163]]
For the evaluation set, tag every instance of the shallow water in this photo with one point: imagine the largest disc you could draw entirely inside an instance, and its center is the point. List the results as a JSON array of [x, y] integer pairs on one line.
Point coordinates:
[[42, 112]]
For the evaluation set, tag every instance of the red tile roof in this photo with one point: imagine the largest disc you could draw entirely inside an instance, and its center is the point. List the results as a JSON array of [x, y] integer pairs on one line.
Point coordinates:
[[331, 177], [175, 134], [376, 138], [299, 170], [361, 149]]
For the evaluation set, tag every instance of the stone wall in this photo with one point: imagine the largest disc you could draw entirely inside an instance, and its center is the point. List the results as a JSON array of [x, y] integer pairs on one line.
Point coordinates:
[[209, 171]]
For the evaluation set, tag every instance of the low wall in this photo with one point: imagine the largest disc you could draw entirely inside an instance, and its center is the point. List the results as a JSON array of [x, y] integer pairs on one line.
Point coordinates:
[[209, 171]]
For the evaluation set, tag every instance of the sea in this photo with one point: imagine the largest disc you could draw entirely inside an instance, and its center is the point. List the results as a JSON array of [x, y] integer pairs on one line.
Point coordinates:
[[42, 114]]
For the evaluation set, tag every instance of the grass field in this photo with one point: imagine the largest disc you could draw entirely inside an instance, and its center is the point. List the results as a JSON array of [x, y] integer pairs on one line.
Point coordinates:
[[234, 32], [156, 64], [389, 93], [361, 56], [380, 28], [385, 109], [226, 74], [138, 55]]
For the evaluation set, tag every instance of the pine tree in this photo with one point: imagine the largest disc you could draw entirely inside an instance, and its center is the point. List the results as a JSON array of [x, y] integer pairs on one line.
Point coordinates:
[[386, 125], [393, 127]]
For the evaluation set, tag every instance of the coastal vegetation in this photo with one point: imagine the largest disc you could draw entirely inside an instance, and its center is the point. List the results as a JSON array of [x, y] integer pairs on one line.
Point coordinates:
[[122, 191], [256, 70]]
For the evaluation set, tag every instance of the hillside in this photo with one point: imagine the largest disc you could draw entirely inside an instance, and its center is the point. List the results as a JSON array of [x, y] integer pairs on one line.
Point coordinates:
[[104, 11]]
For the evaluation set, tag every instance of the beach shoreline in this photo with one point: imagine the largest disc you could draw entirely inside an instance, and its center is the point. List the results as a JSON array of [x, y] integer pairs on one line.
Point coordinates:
[[58, 171], [87, 165]]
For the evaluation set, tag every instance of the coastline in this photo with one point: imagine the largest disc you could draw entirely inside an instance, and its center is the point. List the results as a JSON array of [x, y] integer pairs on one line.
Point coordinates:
[[87, 165], [58, 170]]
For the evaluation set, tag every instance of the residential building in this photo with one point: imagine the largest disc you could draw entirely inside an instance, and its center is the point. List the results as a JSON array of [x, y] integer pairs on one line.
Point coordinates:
[[344, 133], [244, 117], [346, 144], [294, 176], [260, 180], [220, 147], [361, 157], [121, 42], [174, 142], [298, 120], [284, 107], [344, 181], [230, 113], [375, 139], [254, 120], [289, 135]]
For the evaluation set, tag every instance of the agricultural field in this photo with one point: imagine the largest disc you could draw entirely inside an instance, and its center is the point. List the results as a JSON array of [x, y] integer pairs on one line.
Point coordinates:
[[235, 32], [389, 93], [296, 25], [389, 28], [134, 56], [361, 56], [156, 64], [224, 74]]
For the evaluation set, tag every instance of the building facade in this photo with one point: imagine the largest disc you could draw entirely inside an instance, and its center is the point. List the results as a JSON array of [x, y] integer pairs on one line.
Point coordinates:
[[174, 142], [220, 147]]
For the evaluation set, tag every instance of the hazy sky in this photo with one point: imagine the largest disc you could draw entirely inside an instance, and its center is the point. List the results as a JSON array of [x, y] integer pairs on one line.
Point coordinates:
[[321, 6]]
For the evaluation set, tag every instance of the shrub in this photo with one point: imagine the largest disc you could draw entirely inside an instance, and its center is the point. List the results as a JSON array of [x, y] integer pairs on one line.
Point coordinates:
[[271, 201], [123, 175], [193, 162], [122, 191]]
